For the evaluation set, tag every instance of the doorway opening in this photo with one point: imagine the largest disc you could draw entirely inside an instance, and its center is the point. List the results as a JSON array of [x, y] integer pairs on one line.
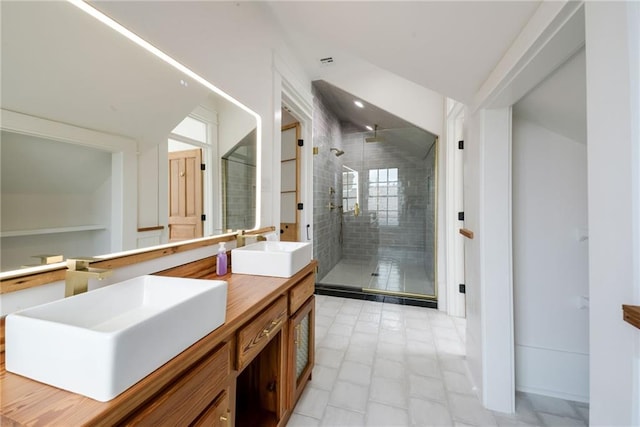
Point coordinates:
[[189, 147], [294, 160], [290, 155], [375, 192]]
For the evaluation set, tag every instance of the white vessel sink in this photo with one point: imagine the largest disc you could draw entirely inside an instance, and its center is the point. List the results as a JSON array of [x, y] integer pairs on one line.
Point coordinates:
[[279, 259], [102, 342]]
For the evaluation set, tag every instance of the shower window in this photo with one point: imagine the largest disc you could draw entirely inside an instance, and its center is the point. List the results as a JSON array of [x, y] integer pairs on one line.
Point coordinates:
[[383, 195], [349, 189]]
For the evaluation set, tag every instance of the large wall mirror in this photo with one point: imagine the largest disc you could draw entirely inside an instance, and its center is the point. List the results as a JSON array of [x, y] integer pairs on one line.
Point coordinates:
[[106, 147]]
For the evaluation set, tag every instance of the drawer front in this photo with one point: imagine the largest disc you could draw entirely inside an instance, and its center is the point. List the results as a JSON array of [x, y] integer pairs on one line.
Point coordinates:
[[218, 414], [301, 292], [258, 332], [183, 401]]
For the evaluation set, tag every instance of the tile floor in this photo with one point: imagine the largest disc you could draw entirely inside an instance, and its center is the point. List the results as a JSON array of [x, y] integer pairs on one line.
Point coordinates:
[[383, 274], [381, 364]]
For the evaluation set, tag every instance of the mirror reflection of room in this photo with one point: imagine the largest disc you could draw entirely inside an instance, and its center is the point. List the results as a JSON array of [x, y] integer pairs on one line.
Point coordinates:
[[106, 113]]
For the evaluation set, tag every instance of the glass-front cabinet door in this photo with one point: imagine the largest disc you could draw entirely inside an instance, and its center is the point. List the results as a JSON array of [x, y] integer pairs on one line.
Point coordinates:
[[301, 348]]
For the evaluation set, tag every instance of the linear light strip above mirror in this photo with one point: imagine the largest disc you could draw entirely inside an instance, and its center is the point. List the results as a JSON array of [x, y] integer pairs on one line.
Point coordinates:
[[177, 65]]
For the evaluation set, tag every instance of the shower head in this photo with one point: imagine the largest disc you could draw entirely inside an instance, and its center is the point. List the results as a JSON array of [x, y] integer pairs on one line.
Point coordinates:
[[375, 137], [338, 152]]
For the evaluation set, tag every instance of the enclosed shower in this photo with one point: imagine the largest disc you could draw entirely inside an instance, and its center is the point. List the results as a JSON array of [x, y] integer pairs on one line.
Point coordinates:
[[374, 206]]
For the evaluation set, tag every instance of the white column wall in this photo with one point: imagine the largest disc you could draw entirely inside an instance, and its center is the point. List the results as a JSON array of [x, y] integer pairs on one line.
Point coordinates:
[[474, 125], [487, 193], [614, 219], [451, 253]]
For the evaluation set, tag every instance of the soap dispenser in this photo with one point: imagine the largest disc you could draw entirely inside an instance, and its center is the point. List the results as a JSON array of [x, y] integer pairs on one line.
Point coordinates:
[[221, 260]]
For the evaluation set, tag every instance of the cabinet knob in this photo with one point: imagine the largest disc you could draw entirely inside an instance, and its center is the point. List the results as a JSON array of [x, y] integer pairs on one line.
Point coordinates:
[[224, 418]]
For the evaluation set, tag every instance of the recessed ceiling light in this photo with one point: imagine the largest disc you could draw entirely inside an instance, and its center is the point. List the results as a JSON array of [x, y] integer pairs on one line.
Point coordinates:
[[359, 104], [369, 127]]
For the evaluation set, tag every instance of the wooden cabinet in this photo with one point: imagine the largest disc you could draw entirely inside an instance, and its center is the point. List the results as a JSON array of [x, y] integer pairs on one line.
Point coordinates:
[[275, 357], [248, 372], [261, 389], [255, 335], [218, 414], [189, 396], [301, 292], [301, 349]]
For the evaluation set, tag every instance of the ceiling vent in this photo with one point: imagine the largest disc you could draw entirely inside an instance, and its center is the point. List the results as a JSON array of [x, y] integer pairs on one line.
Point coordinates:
[[326, 61]]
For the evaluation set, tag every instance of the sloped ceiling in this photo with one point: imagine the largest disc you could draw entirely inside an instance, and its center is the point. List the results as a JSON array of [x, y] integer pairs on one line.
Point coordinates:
[[559, 103], [60, 64], [341, 103], [447, 46], [354, 119]]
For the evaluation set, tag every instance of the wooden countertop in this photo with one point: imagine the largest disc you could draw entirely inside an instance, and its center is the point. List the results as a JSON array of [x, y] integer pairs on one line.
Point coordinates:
[[28, 402]]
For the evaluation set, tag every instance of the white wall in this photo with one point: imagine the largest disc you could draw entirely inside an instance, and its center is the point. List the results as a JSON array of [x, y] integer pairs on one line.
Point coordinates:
[[234, 125], [451, 242], [613, 96], [536, 52], [488, 275], [487, 203], [56, 176], [550, 262], [153, 189], [472, 262], [148, 183]]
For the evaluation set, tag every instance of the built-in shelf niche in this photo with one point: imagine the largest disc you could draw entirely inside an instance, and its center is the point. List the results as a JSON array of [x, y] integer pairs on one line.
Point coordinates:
[[56, 197]]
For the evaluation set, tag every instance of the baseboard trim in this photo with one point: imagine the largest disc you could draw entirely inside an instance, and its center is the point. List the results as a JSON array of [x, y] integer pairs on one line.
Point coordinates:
[[555, 373]]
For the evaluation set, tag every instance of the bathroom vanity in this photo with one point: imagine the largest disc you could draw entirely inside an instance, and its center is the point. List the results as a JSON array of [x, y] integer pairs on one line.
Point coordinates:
[[249, 371]]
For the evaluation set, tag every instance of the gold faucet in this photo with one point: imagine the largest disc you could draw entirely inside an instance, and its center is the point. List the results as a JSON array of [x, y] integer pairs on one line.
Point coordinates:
[[79, 273], [241, 238]]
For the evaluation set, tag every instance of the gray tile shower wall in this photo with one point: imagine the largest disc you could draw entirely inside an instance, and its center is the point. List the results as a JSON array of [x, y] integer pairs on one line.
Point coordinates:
[[327, 173], [240, 203], [367, 236], [409, 237], [361, 237]]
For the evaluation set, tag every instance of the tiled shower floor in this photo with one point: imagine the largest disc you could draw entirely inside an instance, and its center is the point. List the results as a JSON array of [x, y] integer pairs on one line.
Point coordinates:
[[389, 365], [383, 274]]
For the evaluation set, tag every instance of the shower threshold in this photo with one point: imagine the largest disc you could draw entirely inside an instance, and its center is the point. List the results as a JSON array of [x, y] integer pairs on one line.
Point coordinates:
[[375, 295], [383, 278]]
